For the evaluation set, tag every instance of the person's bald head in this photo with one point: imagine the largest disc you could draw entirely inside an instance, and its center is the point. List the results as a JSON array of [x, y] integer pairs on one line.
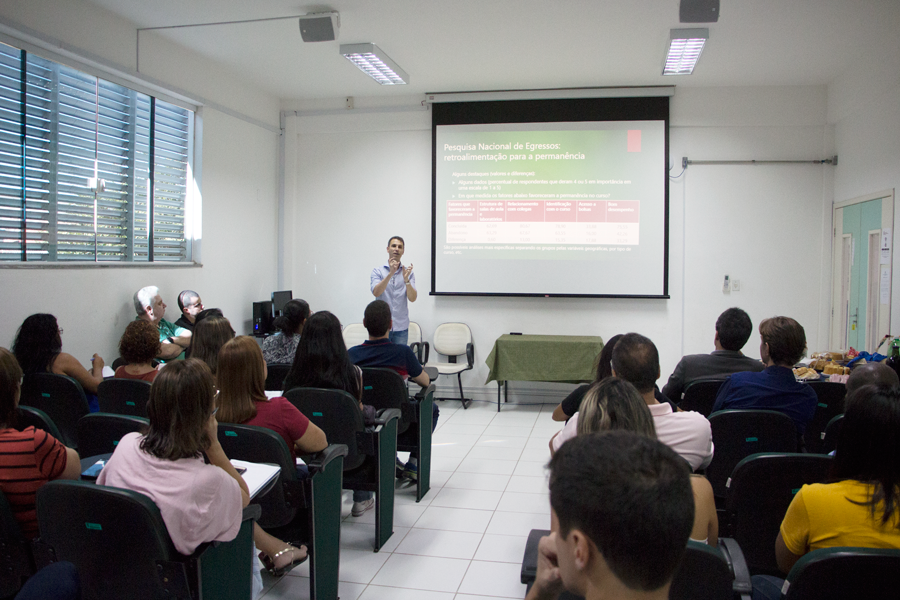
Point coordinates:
[[876, 373]]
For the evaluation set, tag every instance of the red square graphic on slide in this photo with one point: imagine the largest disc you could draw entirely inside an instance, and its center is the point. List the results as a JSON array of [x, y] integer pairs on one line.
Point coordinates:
[[634, 140]]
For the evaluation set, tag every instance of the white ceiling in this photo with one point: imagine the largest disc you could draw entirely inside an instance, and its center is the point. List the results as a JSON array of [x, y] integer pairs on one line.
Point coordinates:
[[465, 45]]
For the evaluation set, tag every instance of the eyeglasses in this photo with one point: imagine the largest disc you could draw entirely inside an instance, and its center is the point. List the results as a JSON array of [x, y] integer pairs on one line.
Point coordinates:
[[215, 410], [60, 330]]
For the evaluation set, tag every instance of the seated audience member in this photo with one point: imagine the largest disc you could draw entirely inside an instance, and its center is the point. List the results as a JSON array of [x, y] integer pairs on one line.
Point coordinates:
[[56, 581], [281, 347], [138, 347], [636, 360], [871, 373], [190, 305], [733, 329], [321, 361], [379, 351], [861, 505], [208, 312], [569, 405], [615, 404], [210, 335], [151, 308], [198, 502], [242, 400], [783, 343], [611, 536], [31, 457], [38, 349]]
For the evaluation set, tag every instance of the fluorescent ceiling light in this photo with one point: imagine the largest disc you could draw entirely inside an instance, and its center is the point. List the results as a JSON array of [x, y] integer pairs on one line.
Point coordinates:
[[372, 61], [685, 47]]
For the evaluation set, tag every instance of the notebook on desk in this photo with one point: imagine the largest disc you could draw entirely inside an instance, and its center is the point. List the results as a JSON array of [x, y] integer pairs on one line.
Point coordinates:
[[257, 475]]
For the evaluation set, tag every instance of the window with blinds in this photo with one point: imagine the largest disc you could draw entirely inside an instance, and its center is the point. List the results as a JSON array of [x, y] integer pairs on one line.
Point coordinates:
[[89, 170]]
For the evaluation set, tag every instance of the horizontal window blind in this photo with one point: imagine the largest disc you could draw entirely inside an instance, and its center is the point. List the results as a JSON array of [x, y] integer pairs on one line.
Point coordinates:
[[89, 170]]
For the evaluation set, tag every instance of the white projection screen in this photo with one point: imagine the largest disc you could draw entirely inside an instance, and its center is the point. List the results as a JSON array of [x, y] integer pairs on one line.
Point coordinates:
[[551, 197]]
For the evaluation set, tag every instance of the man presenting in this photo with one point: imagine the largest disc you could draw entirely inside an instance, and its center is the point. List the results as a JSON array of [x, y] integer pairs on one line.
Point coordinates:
[[395, 284], [150, 307]]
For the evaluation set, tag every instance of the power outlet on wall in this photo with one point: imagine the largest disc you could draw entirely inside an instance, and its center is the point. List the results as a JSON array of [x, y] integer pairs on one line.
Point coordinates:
[[735, 285]]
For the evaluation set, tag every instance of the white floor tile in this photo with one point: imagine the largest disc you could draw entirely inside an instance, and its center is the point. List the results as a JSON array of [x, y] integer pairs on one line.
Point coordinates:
[[531, 469], [438, 478], [360, 566], [459, 427], [508, 523], [459, 439], [444, 544], [487, 465], [445, 463], [501, 441], [478, 481], [297, 588], [423, 573], [361, 536], [506, 430], [471, 597], [502, 548], [459, 519], [495, 453], [493, 579], [524, 503], [462, 498], [528, 485], [406, 515], [539, 454], [380, 592], [449, 449]]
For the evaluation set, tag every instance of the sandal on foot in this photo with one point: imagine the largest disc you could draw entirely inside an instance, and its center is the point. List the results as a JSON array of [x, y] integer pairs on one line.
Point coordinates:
[[269, 562]]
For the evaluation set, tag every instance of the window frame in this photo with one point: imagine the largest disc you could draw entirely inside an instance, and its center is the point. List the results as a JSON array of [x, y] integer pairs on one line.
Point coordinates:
[[96, 67]]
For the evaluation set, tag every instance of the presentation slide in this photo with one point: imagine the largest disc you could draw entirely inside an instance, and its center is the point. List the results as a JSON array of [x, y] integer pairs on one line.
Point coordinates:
[[561, 208]]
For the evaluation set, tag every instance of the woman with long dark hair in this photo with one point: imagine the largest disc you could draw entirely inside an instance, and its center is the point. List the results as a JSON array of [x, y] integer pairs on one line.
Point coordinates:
[[322, 362], [603, 369], [38, 349], [281, 347], [209, 336]]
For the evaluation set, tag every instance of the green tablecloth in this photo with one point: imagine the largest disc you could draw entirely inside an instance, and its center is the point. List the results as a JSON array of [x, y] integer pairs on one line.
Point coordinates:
[[559, 358]]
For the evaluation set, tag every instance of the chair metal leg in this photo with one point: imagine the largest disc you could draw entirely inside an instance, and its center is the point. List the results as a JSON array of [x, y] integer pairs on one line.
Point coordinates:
[[462, 397]]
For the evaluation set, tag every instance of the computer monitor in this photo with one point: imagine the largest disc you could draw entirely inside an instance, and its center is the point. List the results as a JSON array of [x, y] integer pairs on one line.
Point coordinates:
[[279, 299]]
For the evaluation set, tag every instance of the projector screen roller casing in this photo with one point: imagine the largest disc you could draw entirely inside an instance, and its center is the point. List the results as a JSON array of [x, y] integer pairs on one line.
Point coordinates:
[[551, 198]]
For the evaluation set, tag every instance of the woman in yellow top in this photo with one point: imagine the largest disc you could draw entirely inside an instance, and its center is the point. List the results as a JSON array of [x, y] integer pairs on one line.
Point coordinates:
[[861, 507]]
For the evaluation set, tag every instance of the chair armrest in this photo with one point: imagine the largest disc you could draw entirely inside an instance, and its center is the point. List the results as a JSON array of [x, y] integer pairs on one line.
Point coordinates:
[[422, 393], [386, 415], [427, 348], [529, 560], [470, 355], [734, 556], [320, 460], [252, 512]]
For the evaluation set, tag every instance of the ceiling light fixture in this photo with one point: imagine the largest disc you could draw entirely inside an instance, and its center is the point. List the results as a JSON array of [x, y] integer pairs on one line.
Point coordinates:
[[372, 61], [685, 46]]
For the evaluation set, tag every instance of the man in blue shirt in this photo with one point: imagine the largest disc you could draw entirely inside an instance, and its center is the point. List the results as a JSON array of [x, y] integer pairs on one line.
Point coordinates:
[[783, 342], [379, 351], [396, 285]]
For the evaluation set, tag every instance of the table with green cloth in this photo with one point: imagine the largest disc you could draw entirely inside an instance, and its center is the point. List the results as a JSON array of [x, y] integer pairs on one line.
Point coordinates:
[[552, 358]]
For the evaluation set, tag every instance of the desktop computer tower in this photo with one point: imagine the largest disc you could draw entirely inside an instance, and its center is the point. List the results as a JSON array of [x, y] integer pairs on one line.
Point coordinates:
[[262, 317]]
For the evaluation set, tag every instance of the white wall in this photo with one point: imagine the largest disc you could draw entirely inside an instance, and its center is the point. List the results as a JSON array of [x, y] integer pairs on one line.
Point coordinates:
[[367, 176], [239, 189]]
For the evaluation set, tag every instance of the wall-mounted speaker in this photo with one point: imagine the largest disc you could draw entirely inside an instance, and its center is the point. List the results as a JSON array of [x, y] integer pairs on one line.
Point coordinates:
[[320, 27]]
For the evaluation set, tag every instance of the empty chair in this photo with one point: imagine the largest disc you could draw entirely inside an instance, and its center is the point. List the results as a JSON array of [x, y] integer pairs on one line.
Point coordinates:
[[384, 388], [294, 509], [760, 490], [838, 573], [454, 340], [831, 433], [275, 374], [124, 396], [120, 545], [699, 396], [830, 403], [369, 464], [737, 434], [60, 397], [99, 433], [354, 335], [418, 345]]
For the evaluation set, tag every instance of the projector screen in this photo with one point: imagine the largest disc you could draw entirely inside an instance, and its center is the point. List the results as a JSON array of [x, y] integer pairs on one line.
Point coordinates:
[[551, 198]]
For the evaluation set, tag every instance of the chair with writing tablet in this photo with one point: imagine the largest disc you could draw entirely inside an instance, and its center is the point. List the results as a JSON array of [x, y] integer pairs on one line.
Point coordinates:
[[60, 397], [124, 396]]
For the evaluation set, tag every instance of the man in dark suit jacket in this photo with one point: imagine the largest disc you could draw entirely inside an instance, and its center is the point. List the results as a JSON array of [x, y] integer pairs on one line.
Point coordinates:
[[733, 329]]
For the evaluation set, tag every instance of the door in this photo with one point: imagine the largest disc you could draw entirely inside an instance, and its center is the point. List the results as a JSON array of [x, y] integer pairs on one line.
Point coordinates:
[[861, 309]]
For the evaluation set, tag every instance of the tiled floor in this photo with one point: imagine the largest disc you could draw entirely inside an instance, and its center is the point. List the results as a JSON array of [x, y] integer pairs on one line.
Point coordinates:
[[465, 539]]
